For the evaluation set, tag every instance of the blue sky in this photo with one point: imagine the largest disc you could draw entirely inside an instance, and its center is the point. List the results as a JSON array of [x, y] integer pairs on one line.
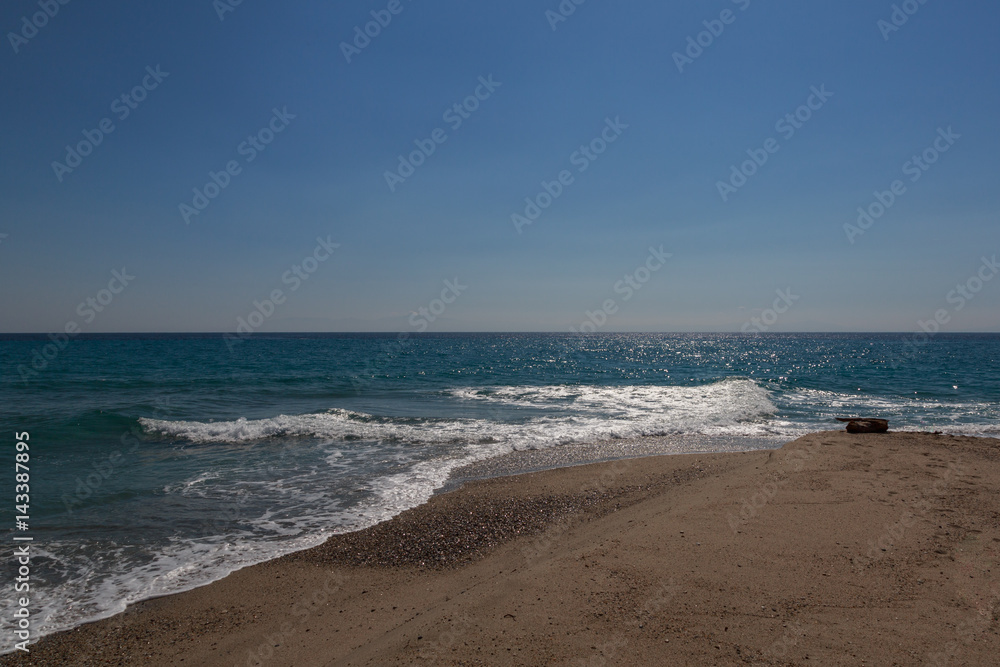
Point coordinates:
[[324, 174]]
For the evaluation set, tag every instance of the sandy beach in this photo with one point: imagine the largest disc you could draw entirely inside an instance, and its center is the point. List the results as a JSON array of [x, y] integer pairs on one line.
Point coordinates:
[[879, 549]]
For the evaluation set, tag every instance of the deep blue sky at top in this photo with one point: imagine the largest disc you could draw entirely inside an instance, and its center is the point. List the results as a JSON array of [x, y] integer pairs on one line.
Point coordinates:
[[323, 176]]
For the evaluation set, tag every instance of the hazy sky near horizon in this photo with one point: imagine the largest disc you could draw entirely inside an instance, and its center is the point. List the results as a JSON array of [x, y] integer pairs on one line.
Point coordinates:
[[742, 158]]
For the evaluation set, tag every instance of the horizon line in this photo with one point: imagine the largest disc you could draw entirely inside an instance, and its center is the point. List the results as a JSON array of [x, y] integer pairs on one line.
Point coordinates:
[[425, 334]]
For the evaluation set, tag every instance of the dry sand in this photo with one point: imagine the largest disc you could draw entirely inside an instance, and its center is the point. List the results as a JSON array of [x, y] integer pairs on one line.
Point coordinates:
[[876, 549]]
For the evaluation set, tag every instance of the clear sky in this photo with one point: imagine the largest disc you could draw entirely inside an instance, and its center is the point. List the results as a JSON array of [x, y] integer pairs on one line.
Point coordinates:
[[662, 121]]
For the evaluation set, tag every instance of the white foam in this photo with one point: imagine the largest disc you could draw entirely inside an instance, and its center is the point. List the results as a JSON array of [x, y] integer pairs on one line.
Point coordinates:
[[336, 424], [414, 458], [905, 413], [188, 486], [307, 516], [98, 590], [728, 407]]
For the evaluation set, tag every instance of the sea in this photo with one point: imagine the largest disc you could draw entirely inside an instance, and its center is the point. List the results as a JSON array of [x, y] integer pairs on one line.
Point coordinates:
[[163, 462]]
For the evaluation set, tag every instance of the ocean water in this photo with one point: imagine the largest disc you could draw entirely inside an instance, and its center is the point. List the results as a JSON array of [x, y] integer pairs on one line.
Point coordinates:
[[160, 463]]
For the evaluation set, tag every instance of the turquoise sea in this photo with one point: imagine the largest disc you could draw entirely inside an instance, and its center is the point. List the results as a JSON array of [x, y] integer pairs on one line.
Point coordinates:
[[163, 462]]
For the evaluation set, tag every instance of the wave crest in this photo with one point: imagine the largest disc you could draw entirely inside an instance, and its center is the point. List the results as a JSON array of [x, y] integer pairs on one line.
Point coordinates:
[[562, 414]]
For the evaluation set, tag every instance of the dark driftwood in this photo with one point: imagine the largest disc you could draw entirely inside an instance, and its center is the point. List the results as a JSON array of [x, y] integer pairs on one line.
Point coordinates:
[[865, 424]]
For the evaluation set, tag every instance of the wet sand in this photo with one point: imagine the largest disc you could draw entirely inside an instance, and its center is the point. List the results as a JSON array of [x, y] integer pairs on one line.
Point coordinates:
[[836, 549]]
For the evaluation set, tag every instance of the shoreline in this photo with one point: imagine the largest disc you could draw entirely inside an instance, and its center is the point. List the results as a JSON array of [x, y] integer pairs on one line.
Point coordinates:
[[516, 462], [437, 577], [524, 461]]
